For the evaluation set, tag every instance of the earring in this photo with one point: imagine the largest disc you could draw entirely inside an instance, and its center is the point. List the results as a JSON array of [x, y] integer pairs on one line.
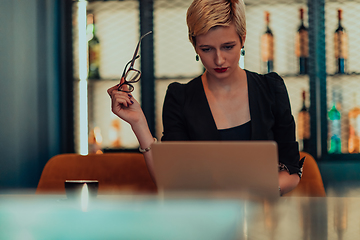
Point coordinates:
[[242, 52], [197, 57]]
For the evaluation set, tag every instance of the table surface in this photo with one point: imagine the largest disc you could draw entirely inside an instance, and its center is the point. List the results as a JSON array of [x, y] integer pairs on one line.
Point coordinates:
[[28, 216]]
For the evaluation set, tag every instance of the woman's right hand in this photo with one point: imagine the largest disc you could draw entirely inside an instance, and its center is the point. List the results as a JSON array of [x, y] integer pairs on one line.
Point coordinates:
[[125, 106]]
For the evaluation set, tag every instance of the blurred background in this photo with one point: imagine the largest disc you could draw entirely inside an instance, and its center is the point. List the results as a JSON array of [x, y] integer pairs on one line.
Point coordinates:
[[57, 59]]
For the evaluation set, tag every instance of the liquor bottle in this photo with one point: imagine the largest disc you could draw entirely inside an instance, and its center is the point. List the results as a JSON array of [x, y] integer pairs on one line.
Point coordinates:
[[93, 48], [341, 218], [335, 127], [303, 126], [341, 46], [354, 127], [115, 133], [267, 46], [95, 141], [302, 45]]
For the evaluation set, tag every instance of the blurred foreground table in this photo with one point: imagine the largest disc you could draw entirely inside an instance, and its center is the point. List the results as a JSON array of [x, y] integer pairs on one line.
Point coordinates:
[[147, 217]]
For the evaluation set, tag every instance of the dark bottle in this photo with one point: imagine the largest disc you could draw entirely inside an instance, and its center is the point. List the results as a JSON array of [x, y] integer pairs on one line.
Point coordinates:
[[303, 126], [341, 46], [302, 45], [267, 46], [93, 48]]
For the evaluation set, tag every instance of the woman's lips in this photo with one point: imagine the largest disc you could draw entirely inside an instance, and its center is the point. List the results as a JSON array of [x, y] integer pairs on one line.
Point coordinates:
[[220, 70]]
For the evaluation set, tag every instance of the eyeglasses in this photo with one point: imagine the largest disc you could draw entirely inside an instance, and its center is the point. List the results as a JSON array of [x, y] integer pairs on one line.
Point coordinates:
[[130, 74]]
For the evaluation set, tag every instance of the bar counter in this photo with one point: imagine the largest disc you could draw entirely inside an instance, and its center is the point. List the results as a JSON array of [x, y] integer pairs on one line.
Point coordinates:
[[25, 216]]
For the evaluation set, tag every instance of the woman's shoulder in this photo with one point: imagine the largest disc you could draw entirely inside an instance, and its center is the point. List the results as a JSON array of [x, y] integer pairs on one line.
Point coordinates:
[[185, 88], [272, 76], [181, 92], [269, 80]]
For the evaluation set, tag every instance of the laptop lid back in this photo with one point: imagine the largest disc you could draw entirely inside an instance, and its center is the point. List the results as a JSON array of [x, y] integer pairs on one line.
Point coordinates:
[[248, 168]]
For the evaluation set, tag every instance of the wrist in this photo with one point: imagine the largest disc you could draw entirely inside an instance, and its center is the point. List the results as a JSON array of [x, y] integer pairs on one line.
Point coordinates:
[[140, 125], [144, 150], [143, 134], [138, 119]]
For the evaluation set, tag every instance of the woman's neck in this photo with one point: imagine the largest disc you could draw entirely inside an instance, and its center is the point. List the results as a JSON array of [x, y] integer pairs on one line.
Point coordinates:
[[225, 85]]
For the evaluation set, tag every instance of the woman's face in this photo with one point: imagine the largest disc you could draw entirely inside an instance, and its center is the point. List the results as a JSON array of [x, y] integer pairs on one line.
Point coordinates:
[[219, 50]]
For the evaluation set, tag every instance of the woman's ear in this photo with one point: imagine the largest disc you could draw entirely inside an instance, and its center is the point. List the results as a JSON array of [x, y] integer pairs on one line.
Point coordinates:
[[197, 58], [242, 39], [196, 50]]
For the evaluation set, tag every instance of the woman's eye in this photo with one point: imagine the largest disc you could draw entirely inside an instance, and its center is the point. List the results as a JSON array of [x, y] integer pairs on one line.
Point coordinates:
[[205, 49], [228, 47]]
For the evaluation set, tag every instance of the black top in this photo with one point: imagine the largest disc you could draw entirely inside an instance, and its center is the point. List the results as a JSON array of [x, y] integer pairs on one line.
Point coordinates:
[[187, 115], [241, 132]]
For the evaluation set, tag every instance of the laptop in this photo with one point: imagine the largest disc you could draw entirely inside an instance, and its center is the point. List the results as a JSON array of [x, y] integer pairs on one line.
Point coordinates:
[[242, 169]]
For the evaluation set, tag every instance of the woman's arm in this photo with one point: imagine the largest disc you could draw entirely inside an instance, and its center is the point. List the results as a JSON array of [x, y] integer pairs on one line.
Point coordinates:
[[174, 123], [125, 106], [145, 138], [287, 182], [284, 135]]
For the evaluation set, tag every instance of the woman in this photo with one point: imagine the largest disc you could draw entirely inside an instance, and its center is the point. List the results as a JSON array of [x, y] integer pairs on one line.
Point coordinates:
[[225, 102]]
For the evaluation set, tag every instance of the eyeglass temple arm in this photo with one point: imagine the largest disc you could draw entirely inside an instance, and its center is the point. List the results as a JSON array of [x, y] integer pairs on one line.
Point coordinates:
[[123, 75], [137, 48]]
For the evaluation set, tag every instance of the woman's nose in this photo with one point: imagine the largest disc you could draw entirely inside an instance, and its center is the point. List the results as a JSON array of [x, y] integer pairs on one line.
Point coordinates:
[[219, 59]]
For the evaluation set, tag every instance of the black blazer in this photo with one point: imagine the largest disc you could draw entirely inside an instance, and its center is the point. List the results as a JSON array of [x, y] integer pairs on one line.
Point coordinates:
[[187, 115]]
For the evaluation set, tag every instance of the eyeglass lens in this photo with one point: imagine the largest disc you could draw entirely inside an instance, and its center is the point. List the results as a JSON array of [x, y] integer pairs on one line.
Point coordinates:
[[132, 75], [130, 87]]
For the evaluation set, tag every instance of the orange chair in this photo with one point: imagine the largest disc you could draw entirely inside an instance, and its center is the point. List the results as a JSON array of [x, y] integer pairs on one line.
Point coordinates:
[[116, 172], [311, 184]]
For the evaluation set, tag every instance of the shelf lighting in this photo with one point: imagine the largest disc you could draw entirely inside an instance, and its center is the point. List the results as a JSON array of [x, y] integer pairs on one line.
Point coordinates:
[[83, 94]]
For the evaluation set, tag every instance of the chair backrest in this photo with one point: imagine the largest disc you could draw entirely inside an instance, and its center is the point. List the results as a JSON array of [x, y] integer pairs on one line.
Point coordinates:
[[311, 184], [116, 172]]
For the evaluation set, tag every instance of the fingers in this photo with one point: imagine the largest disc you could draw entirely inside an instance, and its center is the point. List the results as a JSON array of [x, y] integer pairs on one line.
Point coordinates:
[[125, 86], [116, 87], [119, 99], [131, 98], [122, 99], [110, 90]]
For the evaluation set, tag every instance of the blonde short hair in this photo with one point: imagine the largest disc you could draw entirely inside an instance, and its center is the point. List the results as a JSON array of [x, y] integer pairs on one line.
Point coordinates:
[[203, 15]]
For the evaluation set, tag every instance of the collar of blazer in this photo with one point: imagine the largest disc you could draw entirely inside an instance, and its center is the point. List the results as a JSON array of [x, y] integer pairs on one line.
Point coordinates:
[[261, 103]]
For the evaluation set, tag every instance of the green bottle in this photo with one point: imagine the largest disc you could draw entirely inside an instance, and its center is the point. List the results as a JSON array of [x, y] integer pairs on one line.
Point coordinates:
[[93, 48], [335, 127]]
